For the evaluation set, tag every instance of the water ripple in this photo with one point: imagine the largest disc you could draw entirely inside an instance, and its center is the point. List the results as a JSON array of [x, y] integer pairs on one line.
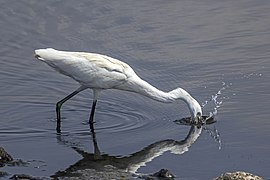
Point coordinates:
[[17, 133], [111, 117], [122, 120]]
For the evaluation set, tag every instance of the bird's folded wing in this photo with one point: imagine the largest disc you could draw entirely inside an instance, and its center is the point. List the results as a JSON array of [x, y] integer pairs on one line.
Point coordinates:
[[106, 62], [99, 70]]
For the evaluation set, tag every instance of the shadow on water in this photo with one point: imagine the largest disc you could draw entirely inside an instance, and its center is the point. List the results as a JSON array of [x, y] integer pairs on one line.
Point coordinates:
[[100, 162]]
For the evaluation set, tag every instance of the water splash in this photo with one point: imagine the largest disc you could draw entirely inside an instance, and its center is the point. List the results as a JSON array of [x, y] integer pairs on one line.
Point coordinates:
[[215, 100], [214, 134]]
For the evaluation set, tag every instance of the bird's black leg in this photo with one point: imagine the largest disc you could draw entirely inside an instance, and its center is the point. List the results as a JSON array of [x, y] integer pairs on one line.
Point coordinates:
[[97, 153], [60, 103], [91, 119], [96, 93]]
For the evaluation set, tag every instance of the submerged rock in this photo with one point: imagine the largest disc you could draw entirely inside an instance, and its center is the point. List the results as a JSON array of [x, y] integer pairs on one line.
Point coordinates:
[[163, 174], [238, 175], [109, 172], [24, 177], [2, 174], [4, 157]]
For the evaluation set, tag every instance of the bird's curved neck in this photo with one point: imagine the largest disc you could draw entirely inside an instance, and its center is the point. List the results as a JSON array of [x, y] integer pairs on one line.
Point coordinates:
[[142, 87], [137, 85]]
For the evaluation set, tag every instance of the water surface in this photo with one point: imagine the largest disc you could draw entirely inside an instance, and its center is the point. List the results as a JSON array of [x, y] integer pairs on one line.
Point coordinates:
[[216, 50]]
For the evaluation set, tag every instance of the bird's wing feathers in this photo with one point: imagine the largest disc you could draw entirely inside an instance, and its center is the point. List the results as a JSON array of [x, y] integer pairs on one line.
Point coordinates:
[[90, 69], [103, 71], [105, 62]]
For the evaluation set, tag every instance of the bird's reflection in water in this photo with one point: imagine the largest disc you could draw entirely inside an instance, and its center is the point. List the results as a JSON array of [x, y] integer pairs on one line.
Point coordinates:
[[133, 162]]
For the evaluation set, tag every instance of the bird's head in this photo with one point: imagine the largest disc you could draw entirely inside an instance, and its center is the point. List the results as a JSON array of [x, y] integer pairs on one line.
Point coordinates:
[[193, 105], [196, 111], [47, 54]]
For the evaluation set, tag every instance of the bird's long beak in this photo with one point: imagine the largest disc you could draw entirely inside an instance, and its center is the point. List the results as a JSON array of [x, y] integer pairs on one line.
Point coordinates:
[[198, 119], [38, 57]]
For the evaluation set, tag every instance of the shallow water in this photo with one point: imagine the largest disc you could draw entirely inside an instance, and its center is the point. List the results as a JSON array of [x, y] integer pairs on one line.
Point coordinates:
[[216, 50]]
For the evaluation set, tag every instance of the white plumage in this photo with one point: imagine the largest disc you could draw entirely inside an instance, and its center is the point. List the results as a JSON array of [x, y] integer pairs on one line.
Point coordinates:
[[98, 72]]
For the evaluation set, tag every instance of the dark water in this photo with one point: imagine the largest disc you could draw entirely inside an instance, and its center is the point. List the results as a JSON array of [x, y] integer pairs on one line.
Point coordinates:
[[217, 50]]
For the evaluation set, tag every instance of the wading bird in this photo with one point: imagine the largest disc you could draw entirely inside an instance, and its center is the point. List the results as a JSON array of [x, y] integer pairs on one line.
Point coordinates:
[[99, 72]]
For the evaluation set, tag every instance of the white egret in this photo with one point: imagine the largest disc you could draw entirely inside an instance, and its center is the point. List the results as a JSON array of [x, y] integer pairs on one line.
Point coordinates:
[[100, 72]]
